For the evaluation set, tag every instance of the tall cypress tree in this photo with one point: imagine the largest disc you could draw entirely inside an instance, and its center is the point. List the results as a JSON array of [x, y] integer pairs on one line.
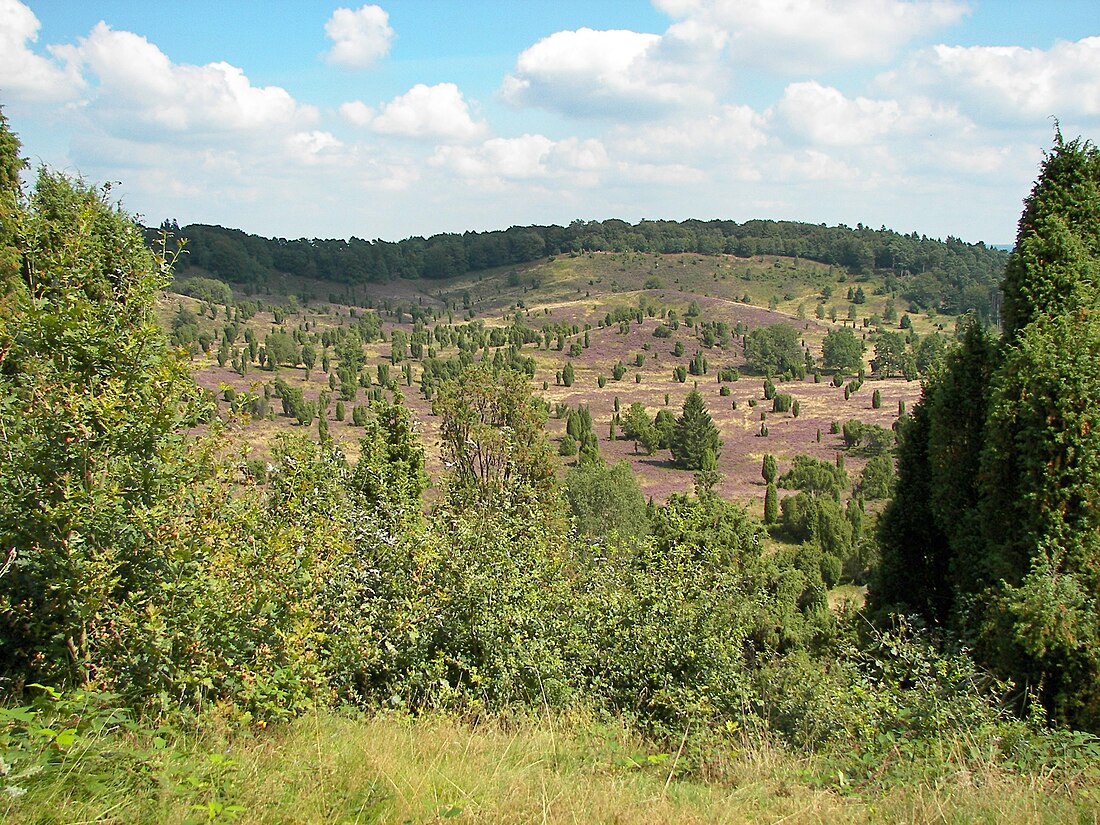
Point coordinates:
[[1041, 464], [958, 401], [10, 192]]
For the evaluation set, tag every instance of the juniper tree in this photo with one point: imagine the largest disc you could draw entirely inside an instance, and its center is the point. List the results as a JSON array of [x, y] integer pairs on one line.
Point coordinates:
[[993, 528], [769, 468], [695, 433], [771, 504]]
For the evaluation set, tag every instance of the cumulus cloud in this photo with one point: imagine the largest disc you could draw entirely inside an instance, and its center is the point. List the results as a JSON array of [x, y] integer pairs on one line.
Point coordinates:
[[23, 73], [1008, 81], [809, 35], [727, 132], [614, 73], [357, 113], [525, 158], [815, 165], [437, 111], [667, 174], [314, 146], [359, 38], [822, 114], [138, 85]]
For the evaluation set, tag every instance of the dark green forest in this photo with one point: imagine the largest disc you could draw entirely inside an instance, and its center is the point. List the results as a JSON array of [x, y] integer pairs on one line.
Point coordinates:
[[949, 276], [144, 563]]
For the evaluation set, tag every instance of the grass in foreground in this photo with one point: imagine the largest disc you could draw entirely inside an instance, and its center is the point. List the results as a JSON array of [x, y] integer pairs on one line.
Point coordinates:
[[330, 768]]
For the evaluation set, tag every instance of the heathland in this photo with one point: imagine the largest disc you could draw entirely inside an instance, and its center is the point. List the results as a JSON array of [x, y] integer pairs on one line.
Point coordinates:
[[672, 522]]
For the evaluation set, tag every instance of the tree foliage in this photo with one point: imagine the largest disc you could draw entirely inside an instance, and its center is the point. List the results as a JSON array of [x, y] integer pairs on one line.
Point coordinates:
[[815, 477], [695, 434], [639, 429], [952, 276], [606, 501], [774, 349], [841, 350], [493, 439], [996, 509], [158, 566], [91, 402]]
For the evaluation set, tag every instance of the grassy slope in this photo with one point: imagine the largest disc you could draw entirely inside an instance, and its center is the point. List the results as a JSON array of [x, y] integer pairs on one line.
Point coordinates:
[[581, 290], [326, 768]]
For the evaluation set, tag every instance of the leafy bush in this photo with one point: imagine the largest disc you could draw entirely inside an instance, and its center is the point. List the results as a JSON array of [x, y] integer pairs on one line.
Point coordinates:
[[877, 479], [814, 476], [774, 349]]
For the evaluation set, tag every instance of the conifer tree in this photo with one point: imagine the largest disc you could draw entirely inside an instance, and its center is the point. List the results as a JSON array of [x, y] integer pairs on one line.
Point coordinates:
[[695, 433], [1039, 574], [769, 469], [707, 477], [771, 504], [995, 526], [1053, 268]]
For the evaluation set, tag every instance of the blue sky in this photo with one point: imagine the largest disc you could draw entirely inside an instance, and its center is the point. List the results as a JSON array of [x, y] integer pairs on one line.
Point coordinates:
[[412, 117]]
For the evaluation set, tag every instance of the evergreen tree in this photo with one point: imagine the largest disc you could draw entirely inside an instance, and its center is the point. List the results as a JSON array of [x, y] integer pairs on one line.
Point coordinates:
[[695, 433], [1053, 268], [707, 477], [10, 193], [769, 468], [389, 477], [994, 526], [771, 504]]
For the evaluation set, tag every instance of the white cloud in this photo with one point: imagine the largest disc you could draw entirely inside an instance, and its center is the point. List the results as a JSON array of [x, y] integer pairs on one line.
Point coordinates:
[[720, 136], [808, 35], [815, 165], [426, 112], [824, 115], [314, 146], [525, 158], [579, 155], [609, 73], [669, 174], [357, 113], [24, 74], [1009, 81], [359, 38], [138, 84]]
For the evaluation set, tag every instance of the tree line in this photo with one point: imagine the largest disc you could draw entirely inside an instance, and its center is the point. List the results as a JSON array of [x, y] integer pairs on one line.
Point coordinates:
[[949, 275]]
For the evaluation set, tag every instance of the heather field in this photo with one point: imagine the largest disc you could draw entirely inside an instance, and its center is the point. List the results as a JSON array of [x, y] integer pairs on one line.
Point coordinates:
[[581, 291]]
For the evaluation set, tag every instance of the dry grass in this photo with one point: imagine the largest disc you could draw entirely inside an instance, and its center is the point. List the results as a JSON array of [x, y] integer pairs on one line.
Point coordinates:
[[325, 768]]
